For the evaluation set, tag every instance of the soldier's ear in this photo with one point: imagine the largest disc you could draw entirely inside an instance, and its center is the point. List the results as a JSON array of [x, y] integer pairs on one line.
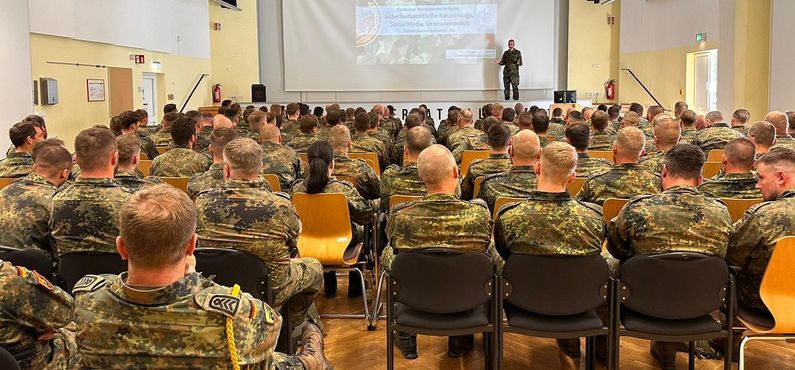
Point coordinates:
[[121, 248]]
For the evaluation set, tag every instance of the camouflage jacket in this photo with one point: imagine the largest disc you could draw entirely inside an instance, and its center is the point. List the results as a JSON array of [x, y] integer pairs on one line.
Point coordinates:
[[362, 142], [741, 129], [511, 59], [588, 166], [752, 244], [733, 185], [399, 147], [715, 137], [203, 139], [301, 141], [680, 219], [688, 135], [601, 140], [401, 181], [784, 140], [653, 163], [495, 163], [282, 161], [550, 224], [544, 140], [25, 213], [16, 165], [323, 133], [518, 182], [148, 146], [360, 210], [178, 326], [622, 181], [392, 125], [367, 183], [290, 129], [383, 136], [179, 161], [556, 131], [445, 132], [161, 138], [31, 306], [462, 137], [131, 181], [85, 215], [214, 179], [241, 215]]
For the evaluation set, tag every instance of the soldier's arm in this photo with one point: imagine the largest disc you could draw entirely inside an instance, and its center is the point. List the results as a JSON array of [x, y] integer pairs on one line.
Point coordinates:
[[520, 58], [371, 186], [500, 241], [360, 210], [466, 186], [30, 300], [502, 60], [585, 194], [618, 238], [747, 236]]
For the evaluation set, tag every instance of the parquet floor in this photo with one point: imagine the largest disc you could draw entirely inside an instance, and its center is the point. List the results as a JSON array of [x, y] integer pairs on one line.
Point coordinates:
[[350, 346]]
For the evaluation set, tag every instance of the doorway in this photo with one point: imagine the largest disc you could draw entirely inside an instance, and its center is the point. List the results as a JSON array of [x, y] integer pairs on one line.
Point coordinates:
[[149, 91], [702, 76]]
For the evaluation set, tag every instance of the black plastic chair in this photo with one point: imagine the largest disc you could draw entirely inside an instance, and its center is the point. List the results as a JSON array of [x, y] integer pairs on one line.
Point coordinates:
[[556, 297], [436, 292], [7, 361], [669, 297], [32, 259], [73, 266]]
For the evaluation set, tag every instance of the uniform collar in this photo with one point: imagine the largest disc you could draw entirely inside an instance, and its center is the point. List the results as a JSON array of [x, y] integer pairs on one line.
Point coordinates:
[[177, 290], [440, 197], [739, 176], [543, 195], [720, 124], [243, 184], [681, 189], [787, 194], [516, 169], [95, 181], [18, 155], [125, 174], [499, 156], [37, 179]]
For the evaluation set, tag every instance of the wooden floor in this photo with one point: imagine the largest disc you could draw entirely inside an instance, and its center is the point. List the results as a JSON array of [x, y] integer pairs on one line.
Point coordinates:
[[349, 346]]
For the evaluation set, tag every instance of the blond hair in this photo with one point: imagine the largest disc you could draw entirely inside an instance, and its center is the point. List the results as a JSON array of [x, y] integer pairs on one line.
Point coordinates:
[[630, 141], [558, 160], [243, 155], [339, 137]]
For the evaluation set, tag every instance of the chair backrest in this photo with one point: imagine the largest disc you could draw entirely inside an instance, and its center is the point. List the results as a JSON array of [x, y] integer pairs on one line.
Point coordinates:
[[575, 186], [232, 266], [374, 166], [555, 285], [501, 201], [715, 155], [372, 157], [162, 149], [737, 207], [143, 157], [349, 179], [438, 282], [32, 259], [711, 169], [5, 181], [612, 207], [470, 155], [273, 181], [303, 157], [602, 154], [478, 184], [676, 285], [7, 360], [145, 166], [180, 183], [73, 266], [398, 198], [778, 289], [326, 228]]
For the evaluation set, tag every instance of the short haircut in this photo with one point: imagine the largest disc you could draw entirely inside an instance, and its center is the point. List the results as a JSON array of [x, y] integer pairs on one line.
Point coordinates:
[[586, 109], [362, 122], [525, 120], [20, 132], [576, 116], [350, 112], [182, 130], [779, 157], [168, 118], [51, 156], [452, 116], [222, 136], [599, 120], [557, 112], [488, 122], [115, 125], [578, 134], [333, 117], [339, 137], [435, 164], [466, 115], [129, 118], [497, 109], [412, 120], [540, 123], [630, 141], [308, 123], [508, 114], [270, 133], [637, 108], [631, 119], [292, 108], [417, 139], [763, 132], [613, 112], [685, 161], [680, 106], [667, 131], [374, 119], [741, 115], [231, 113], [688, 118], [779, 120], [156, 225], [129, 147], [194, 115], [559, 160], [714, 116], [318, 112], [256, 119], [655, 110], [741, 152], [36, 120], [498, 135], [525, 145], [602, 107], [170, 108], [94, 146], [243, 155]]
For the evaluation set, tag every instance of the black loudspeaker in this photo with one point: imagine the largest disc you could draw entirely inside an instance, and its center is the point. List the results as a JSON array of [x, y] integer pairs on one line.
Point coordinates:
[[565, 96], [258, 93]]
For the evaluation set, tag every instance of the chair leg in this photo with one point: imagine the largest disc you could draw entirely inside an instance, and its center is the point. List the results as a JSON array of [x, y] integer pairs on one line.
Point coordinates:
[[376, 303], [742, 352], [488, 344], [390, 331], [364, 295], [590, 353], [691, 355]]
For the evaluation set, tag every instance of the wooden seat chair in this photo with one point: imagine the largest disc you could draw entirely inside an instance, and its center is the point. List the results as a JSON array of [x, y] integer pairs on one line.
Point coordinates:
[[478, 184], [501, 201], [303, 157], [602, 154], [145, 166], [470, 155], [180, 183], [711, 169], [162, 149], [612, 207], [397, 199], [273, 181], [143, 157], [575, 186], [737, 207], [715, 155], [778, 293], [5, 181], [371, 159]]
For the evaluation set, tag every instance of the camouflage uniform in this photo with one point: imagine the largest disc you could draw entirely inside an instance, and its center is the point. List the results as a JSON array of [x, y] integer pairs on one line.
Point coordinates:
[[543, 224], [688, 135], [302, 141], [622, 181], [290, 129], [445, 132], [180, 161], [601, 140], [367, 183], [132, 181], [510, 73], [213, 179], [25, 213], [784, 141], [680, 219], [361, 142], [733, 185], [383, 136], [715, 137], [400, 146], [653, 163], [741, 129], [467, 138], [430, 126], [588, 166], [545, 140], [752, 244], [203, 139], [323, 133], [161, 138], [242, 216], [557, 131], [85, 216], [391, 125], [517, 182], [401, 181], [16, 165], [147, 145], [178, 326], [29, 307], [282, 161], [495, 163]]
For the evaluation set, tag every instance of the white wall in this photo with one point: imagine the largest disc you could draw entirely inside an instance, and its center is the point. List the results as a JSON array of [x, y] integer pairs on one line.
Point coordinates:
[[648, 25], [782, 55], [16, 94]]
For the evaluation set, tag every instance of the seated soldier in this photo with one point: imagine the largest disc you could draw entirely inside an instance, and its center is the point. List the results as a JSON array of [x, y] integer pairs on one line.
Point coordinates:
[[448, 126], [541, 128], [161, 313], [406, 180], [292, 127], [129, 121], [203, 132], [379, 133], [739, 121], [242, 215], [525, 121], [127, 174], [626, 179], [520, 180], [180, 160], [578, 136], [163, 135], [542, 224], [600, 138], [214, 176], [455, 224], [717, 133], [306, 135], [26, 203], [35, 317], [687, 121], [508, 117], [85, 214], [366, 181], [24, 135], [680, 219], [666, 134], [736, 180], [763, 135], [412, 120], [499, 139], [256, 120], [755, 236], [279, 159], [556, 131], [37, 122], [333, 118], [781, 122], [466, 137], [361, 141]]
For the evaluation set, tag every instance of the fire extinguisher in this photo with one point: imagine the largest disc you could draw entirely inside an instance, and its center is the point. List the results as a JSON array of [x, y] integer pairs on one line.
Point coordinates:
[[610, 89], [217, 93]]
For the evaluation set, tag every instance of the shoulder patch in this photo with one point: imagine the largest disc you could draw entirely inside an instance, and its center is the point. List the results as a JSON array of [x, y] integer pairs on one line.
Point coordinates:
[[226, 305], [42, 281], [89, 283]]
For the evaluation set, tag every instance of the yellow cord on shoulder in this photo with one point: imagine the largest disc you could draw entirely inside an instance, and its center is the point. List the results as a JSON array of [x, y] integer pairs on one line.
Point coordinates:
[[230, 334]]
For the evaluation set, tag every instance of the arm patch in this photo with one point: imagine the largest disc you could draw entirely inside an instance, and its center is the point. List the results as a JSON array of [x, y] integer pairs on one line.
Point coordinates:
[[89, 283], [226, 305]]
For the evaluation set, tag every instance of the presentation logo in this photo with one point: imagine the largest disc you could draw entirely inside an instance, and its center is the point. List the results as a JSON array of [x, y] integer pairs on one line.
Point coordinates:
[[368, 23]]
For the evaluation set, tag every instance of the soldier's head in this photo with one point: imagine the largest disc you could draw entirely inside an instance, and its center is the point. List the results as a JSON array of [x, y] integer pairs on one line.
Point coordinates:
[[351, 113], [508, 115], [499, 137], [578, 136], [496, 110], [653, 111], [129, 148], [701, 122], [242, 159], [511, 44], [195, 115], [452, 117], [740, 117], [776, 171], [540, 124], [375, 119], [293, 109], [168, 119], [321, 166], [713, 117], [183, 132], [688, 118], [683, 165], [780, 121], [557, 112], [631, 119], [488, 122], [739, 155], [587, 112], [667, 132], [157, 230], [52, 161], [218, 140], [574, 117], [412, 120], [417, 139], [637, 108], [518, 108], [37, 121], [613, 112], [129, 121], [95, 150], [221, 121], [763, 134], [679, 108], [438, 170], [790, 118], [525, 121], [24, 135], [362, 122], [206, 120], [525, 148], [308, 124], [333, 117], [599, 120], [169, 108], [465, 118], [270, 133], [629, 145], [487, 109], [340, 139], [256, 120], [557, 165]]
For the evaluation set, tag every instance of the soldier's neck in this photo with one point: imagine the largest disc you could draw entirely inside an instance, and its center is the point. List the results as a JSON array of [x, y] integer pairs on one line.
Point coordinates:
[[154, 278], [106, 173]]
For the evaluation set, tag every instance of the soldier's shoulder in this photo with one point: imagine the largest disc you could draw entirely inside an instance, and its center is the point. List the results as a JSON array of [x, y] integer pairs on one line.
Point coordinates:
[[507, 207], [477, 203], [91, 283], [224, 301], [591, 206], [639, 198]]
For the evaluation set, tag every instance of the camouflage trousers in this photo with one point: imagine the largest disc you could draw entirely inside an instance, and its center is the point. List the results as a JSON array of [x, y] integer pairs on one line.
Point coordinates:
[[64, 351], [306, 276], [283, 361], [511, 81]]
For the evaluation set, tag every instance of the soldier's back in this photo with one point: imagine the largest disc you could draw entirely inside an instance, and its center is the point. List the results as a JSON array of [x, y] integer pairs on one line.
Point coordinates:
[[715, 137], [518, 182], [588, 166], [302, 141], [210, 179], [16, 165], [401, 181], [735, 185], [180, 162], [282, 161], [601, 140], [25, 213], [622, 181], [367, 183]]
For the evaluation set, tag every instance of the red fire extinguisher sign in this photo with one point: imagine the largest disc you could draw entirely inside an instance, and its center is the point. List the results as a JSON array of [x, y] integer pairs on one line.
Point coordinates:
[[217, 93]]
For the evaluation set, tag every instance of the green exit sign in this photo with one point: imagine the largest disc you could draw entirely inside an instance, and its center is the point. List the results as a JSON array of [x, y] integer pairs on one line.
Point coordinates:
[[701, 37]]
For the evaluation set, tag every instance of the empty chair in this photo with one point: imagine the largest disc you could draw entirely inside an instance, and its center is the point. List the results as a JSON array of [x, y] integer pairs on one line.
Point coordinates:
[[371, 159], [5, 181], [73, 266], [612, 207], [145, 166], [273, 181], [711, 169], [715, 155]]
